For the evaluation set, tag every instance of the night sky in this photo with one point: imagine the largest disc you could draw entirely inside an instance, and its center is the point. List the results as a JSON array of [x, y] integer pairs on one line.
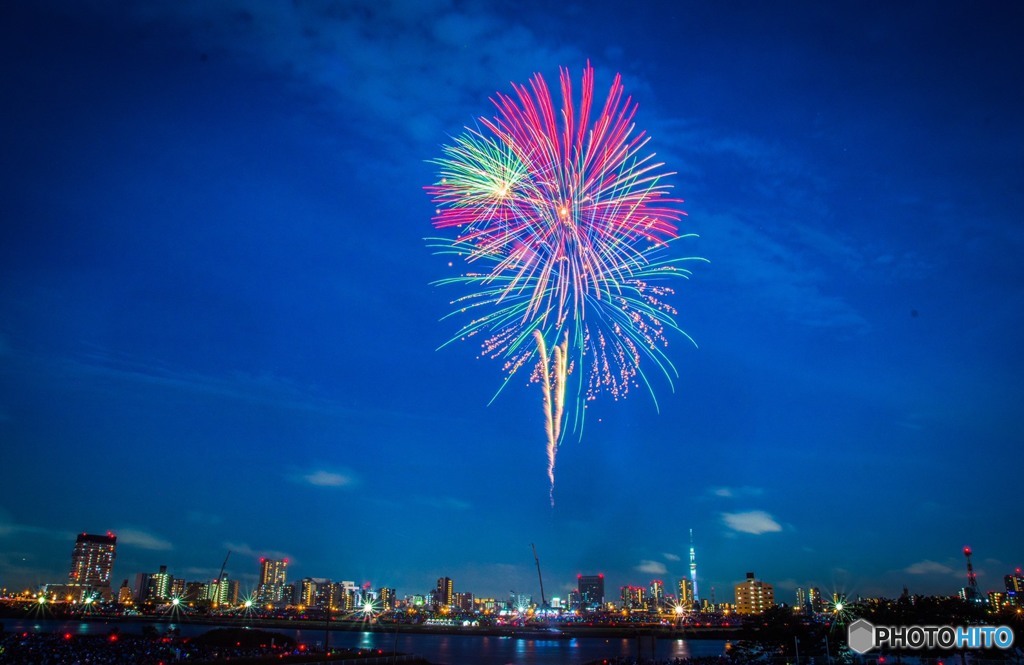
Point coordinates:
[[218, 330]]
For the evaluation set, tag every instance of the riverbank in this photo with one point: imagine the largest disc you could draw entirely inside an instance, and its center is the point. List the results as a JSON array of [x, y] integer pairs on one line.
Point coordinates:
[[552, 632]]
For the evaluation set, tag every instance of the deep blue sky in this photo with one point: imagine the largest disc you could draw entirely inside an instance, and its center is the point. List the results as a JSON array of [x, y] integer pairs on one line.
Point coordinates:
[[217, 328]]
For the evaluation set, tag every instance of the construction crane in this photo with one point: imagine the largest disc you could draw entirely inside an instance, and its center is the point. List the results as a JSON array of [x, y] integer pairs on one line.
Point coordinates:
[[220, 576], [543, 600], [223, 566]]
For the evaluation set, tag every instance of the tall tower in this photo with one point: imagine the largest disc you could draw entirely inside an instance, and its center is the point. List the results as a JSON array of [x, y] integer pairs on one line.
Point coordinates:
[[972, 579], [693, 569], [92, 560]]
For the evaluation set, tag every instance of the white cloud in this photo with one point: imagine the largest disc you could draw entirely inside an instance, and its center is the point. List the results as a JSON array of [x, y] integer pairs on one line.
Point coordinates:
[[652, 567], [141, 539], [752, 521], [671, 557], [325, 478], [244, 551], [734, 492], [927, 567]]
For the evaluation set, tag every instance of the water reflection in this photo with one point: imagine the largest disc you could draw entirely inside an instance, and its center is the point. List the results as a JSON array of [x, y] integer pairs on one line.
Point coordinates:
[[446, 649]]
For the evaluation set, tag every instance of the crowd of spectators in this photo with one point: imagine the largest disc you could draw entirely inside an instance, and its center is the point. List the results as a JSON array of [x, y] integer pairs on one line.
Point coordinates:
[[122, 649]]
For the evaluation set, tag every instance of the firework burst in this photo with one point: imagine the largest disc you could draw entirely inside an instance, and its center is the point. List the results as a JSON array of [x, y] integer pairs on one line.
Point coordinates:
[[565, 227]]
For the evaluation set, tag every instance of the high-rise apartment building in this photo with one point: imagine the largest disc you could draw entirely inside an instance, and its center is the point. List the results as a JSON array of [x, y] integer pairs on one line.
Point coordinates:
[[124, 594], [224, 592], [444, 594], [177, 587], [686, 599], [591, 589], [754, 596], [463, 601], [1014, 583], [346, 596], [632, 597], [657, 590], [814, 599], [92, 560], [158, 586], [272, 580]]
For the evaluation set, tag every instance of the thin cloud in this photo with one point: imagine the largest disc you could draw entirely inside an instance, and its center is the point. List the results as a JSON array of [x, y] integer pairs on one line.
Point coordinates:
[[671, 557], [755, 522], [8, 527], [652, 567], [325, 478], [735, 492], [244, 551], [142, 539], [365, 71], [928, 567]]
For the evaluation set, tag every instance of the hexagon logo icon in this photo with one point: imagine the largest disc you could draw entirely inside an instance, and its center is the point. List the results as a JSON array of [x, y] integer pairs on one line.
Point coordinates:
[[860, 635]]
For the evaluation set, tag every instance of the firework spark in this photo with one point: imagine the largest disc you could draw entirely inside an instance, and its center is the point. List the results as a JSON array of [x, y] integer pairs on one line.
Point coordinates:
[[566, 229]]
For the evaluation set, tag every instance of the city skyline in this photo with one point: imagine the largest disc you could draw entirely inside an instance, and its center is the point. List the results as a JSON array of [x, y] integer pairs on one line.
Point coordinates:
[[96, 553], [220, 327]]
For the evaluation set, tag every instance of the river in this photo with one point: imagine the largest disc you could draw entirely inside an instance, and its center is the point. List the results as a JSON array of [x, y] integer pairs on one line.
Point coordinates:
[[438, 649]]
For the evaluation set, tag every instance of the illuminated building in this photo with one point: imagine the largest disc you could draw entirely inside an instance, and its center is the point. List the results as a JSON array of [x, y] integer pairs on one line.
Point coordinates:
[[657, 589], [801, 600], [177, 587], [317, 592], [754, 596], [814, 599], [307, 592], [124, 594], [1015, 588], [686, 594], [997, 600], [223, 592], [272, 580], [92, 560], [196, 591], [591, 590], [632, 597], [444, 594], [387, 598], [158, 587], [346, 596], [463, 600]]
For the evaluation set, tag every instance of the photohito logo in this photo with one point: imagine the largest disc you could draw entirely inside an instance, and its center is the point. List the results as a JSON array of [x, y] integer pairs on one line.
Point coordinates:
[[863, 636]]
